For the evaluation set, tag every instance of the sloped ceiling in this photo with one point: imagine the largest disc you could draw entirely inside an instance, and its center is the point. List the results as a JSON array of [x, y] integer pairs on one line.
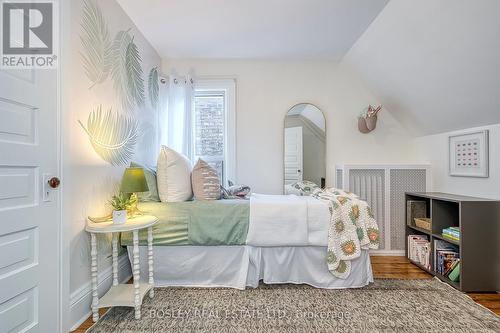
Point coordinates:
[[435, 64], [253, 29]]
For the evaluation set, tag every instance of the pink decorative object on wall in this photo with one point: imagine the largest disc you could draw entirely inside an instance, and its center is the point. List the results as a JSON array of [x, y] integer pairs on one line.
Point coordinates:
[[367, 121]]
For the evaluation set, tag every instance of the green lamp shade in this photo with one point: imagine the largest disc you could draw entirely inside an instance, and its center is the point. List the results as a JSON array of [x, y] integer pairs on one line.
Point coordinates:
[[134, 181]]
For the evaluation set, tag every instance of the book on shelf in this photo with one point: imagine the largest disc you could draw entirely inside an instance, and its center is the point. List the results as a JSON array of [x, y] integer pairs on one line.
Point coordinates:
[[454, 275], [451, 267], [445, 261], [448, 237], [446, 256], [419, 250], [451, 233], [415, 209]]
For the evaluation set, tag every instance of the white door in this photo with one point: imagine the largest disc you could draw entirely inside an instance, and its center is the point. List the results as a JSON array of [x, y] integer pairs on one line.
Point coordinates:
[[29, 222], [293, 155]]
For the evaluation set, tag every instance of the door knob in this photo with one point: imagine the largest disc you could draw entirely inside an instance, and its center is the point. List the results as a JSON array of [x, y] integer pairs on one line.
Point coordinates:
[[54, 182]]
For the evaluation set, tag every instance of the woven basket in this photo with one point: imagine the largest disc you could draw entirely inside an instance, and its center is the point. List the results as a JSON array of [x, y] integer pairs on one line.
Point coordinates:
[[423, 222]]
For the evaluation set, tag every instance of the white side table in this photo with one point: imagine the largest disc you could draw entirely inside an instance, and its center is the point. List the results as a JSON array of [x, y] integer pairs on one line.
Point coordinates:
[[122, 294]]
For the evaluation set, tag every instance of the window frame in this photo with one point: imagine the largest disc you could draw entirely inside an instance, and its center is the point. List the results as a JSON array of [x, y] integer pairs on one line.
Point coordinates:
[[228, 87]]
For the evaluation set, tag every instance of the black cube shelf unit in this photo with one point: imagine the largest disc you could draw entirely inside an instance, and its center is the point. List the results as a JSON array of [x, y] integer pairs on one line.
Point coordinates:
[[479, 245]]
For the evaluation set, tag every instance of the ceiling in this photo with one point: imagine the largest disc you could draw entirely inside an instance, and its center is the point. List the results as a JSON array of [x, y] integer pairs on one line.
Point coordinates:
[[253, 29], [435, 65]]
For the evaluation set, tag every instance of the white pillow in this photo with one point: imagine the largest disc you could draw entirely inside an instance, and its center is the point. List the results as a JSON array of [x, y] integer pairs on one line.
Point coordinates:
[[173, 176]]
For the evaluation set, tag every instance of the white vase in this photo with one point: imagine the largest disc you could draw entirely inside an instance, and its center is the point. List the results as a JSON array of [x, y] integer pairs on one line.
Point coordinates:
[[119, 216]]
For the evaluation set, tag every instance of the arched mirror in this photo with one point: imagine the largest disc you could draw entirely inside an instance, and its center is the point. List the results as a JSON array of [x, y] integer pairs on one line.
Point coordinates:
[[305, 146]]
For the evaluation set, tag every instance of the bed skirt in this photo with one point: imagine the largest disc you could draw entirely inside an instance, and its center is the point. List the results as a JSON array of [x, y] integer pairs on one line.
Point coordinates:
[[244, 266]]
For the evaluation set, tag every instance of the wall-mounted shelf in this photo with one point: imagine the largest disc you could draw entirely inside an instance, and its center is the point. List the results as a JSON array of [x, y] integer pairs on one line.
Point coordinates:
[[479, 244]]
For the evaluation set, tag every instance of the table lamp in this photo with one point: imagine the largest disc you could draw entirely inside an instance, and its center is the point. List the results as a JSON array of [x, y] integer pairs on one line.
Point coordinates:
[[134, 181]]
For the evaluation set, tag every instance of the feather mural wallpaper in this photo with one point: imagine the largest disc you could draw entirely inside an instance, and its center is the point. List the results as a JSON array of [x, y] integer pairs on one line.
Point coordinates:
[[110, 121], [154, 87], [127, 71], [114, 134], [96, 44]]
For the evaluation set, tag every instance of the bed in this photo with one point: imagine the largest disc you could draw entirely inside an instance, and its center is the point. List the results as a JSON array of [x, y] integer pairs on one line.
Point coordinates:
[[237, 243]]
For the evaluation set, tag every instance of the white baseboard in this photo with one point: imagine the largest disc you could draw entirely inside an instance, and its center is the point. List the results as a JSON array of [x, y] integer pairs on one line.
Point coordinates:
[[375, 253], [81, 299]]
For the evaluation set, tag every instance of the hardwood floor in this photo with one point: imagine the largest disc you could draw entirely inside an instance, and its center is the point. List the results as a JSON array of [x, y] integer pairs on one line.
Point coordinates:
[[401, 268], [385, 267]]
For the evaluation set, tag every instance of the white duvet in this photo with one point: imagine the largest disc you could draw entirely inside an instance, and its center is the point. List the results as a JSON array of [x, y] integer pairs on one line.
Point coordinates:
[[287, 220]]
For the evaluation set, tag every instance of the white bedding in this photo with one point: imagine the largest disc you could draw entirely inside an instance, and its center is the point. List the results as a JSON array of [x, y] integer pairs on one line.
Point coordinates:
[[286, 243], [244, 266], [287, 220]]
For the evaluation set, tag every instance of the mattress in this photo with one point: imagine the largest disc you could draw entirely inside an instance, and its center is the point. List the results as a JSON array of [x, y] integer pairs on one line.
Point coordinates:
[[272, 220]]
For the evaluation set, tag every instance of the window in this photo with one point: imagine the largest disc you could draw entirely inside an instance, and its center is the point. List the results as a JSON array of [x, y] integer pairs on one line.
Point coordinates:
[[214, 125]]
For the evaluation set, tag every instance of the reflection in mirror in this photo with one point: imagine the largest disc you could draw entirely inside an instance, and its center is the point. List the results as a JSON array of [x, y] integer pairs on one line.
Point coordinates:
[[305, 146]]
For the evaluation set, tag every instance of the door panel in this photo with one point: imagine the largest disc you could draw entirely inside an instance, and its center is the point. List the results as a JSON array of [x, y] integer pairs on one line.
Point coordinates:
[[29, 260], [18, 314], [293, 155], [18, 122], [21, 247]]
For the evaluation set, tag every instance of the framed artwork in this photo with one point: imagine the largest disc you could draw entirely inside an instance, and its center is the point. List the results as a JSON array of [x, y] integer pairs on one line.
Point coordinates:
[[468, 154]]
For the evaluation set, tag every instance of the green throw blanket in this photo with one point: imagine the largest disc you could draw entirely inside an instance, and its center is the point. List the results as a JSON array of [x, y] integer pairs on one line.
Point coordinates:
[[220, 222]]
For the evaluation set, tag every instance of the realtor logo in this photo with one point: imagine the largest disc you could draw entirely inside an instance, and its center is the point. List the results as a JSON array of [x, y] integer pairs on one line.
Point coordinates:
[[28, 34]]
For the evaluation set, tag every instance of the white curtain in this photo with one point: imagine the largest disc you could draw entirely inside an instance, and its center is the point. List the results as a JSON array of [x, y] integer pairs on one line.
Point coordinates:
[[175, 124], [162, 114]]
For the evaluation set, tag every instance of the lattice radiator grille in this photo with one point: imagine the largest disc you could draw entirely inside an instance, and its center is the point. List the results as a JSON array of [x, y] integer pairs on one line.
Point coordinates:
[[402, 180], [384, 189]]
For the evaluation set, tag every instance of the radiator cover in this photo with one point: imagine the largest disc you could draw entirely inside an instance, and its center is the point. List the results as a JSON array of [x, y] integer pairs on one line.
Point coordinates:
[[384, 187]]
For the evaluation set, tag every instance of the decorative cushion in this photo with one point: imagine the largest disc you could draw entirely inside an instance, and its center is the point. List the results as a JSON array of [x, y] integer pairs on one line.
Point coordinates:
[[238, 191], [173, 176], [206, 182], [303, 188], [150, 173]]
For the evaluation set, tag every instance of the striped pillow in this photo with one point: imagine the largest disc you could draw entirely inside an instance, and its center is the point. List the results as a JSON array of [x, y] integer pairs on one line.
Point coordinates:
[[205, 180]]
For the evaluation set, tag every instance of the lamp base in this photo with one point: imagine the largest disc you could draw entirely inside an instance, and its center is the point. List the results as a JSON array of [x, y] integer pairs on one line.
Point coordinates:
[[133, 210]]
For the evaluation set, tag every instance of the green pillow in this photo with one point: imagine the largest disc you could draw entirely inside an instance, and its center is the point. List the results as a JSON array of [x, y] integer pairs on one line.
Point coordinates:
[[150, 173]]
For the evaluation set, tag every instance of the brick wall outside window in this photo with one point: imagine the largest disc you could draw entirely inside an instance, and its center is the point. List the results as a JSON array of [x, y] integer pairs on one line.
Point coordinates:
[[209, 129]]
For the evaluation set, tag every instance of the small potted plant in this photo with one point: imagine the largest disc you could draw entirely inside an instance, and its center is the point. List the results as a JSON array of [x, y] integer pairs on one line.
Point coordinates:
[[121, 203]]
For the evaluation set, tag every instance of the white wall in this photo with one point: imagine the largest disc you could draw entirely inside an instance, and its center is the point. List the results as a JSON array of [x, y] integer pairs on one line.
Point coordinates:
[[433, 149], [265, 90], [434, 64], [89, 181]]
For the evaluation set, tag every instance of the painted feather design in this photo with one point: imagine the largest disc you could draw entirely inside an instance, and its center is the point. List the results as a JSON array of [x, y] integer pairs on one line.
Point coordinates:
[[134, 73], [126, 71], [153, 87], [112, 135], [96, 43]]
